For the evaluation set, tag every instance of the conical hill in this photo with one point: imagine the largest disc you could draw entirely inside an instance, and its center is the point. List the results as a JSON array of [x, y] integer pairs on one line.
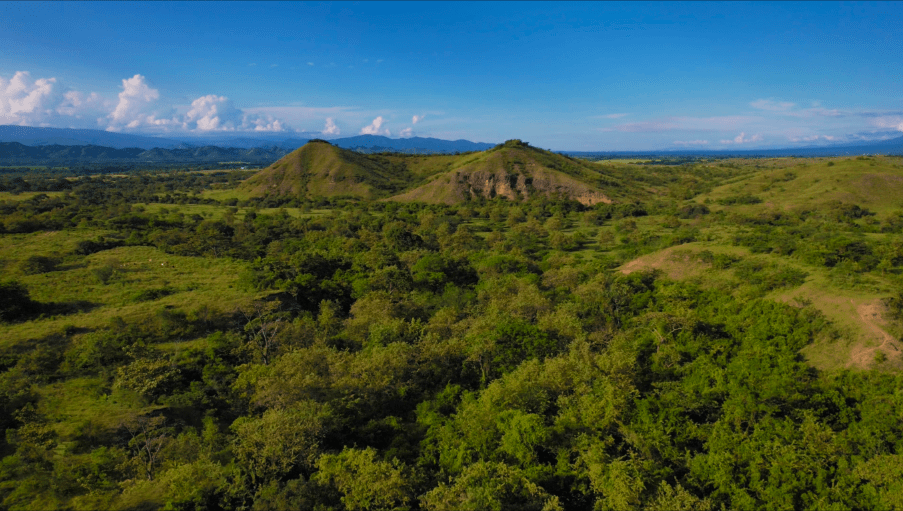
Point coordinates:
[[516, 171], [319, 169]]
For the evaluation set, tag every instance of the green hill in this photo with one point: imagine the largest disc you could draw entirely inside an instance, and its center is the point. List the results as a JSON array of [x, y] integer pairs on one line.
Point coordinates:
[[319, 169], [516, 171]]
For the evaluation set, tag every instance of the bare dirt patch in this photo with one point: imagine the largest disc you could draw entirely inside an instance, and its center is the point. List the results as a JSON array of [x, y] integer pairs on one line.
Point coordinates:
[[676, 262]]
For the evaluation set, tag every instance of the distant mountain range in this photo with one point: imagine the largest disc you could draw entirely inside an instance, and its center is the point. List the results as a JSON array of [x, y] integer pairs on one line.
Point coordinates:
[[93, 146], [14, 153], [891, 146], [31, 136]]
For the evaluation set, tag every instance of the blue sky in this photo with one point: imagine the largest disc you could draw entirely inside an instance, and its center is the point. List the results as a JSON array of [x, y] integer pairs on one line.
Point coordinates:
[[565, 76]]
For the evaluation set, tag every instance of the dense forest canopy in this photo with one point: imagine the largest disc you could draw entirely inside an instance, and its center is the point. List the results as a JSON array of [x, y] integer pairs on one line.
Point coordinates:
[[724, 335]]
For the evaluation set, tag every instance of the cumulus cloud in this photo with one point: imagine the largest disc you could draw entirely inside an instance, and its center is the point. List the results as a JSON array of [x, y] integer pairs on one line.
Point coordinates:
[[331, 128], [137, 109], [691, 142], [374, 128], [24, 101], [417, 118], [78, 104], [135, 106], [44, 102], [212, 113], [743, 139], [407, 132], [217, 113], [771, 105]]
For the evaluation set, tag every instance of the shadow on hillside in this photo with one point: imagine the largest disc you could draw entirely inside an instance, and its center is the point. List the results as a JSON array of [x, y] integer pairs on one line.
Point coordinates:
[[64, 308]]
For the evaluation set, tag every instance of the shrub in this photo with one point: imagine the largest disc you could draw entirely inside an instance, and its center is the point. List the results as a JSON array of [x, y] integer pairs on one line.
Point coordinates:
[[147, 295], [734, 200], [35, 264]]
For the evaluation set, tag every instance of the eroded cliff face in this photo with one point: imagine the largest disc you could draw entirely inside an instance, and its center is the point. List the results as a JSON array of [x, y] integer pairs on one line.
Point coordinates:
[[517, 186]]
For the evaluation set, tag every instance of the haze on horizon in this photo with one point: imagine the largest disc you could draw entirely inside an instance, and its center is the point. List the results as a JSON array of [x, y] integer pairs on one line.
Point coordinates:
[[565, 76]]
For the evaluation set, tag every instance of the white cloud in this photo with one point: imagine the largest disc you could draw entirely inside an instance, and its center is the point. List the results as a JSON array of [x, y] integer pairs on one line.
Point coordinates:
[[613, 116], [691, 142], [812, 138], [889, 121], [374, 128], [26, 102], [771, 105], [135, 108], [310, 63], [407, 132], [331, 128], [44, 102], [212, 113], [417, 118], [77, 104], [743, 139]]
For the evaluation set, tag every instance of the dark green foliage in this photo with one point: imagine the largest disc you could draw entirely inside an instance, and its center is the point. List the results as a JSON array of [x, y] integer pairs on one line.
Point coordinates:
[[148, 295], [718, 261], [766, 276], [34, 265], [734, 200], [517, 341], [15, 303], [692, 211]]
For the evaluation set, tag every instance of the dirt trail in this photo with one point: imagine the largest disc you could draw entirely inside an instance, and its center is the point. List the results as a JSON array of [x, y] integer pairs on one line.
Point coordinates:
[[871, 315]]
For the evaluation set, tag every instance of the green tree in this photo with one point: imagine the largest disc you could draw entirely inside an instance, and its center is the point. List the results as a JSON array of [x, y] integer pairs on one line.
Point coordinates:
[[365, 482], [281, 440], [488, 486]]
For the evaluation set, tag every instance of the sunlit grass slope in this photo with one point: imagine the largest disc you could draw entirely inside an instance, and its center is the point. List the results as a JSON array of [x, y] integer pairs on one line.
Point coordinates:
[[126, 282], [873, 182]]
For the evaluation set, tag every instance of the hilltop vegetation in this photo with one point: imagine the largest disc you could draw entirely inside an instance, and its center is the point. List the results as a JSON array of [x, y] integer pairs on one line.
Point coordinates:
[[720, 335]]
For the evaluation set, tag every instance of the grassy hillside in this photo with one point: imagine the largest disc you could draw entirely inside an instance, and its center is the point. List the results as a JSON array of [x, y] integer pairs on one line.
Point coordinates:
[[873, 182], [517, 172], [319, 169]]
